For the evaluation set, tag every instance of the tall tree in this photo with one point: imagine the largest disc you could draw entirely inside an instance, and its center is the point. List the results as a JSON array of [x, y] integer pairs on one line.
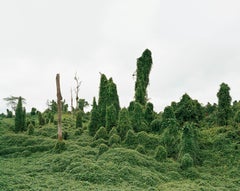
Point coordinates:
[[144, 65], [13, 100], [102, 100], [113, 95], [20, 117], [111, 117], [94, 121], [224, 104], [59, 103], [124, 123], [149, 113]]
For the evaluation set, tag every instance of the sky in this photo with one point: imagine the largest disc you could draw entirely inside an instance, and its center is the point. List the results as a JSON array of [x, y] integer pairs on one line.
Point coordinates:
[[195, 47]]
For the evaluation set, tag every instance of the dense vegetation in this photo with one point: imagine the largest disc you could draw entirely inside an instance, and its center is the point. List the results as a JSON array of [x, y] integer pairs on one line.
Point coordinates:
[[188, 146]]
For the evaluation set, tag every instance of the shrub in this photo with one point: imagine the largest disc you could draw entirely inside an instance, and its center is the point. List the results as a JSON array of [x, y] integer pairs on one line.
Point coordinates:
[[65, 135], [101, 133], [150, 141], [186, 161], [113, 131], [156, 125], [160, 153], [102, 148], [30, 129], [78, 132], [114, 139], [141, 149], [131, 139], [59, 147]]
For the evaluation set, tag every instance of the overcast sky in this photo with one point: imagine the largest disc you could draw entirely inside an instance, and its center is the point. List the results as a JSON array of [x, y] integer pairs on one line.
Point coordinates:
[[195, 47]]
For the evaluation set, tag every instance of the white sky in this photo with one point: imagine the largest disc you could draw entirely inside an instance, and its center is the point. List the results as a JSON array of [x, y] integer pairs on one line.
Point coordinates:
[[195, 47]]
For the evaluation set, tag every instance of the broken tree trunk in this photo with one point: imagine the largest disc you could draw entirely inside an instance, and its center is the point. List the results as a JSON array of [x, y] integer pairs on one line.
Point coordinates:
[[59, 103]]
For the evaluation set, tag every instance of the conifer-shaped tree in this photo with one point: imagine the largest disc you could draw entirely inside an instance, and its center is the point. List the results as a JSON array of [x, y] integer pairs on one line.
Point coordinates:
[[224, 104], [111, 117], [124, 123], [149, 113], [20, 116], [137, 117], [102, 100], [113, 95], [93, 125], [79, 119], [144, 64]]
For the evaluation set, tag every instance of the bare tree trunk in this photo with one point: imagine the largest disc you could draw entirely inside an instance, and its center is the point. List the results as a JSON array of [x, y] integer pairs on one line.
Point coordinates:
[[78, 84], [71, 101], [59, 102]]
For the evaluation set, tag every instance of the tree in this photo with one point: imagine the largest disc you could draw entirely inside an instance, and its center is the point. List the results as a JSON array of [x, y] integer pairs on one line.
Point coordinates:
[[59, 103], [168, 113], [113, 95], [111, 117], [224, 104], [82, 103], [78, 84], [94, 121], [124, 123], [144, 64], [102, 100], [79, 119], [137, 118], [149, 113], [20, 117], [13, 100]]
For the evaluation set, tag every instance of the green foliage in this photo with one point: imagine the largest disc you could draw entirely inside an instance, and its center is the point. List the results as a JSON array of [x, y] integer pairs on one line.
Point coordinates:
[[149, 141], [224, 104], [20, 118], [82, 103], [156, 125], [101, 133], [149, 113], [93, 124], [102, 148], [111, 117], [131, 139], [160, 154], [124, 123], [9, 114], [114, 139], [33, 111], [186, 161], [168, 113], [237, 117], [59, 147], [141, 149], [137, 118], [30, 129], [189, 141], [113, 131], [144, 64], [188, 110], [171, 137], [41, 119], [79, 123], [113, 95]]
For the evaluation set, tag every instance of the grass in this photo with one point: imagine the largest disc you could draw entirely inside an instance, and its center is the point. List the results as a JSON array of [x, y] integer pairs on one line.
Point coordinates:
[[28, 162]]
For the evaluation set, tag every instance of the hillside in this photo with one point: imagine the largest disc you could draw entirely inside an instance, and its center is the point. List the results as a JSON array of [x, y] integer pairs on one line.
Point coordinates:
[[31, 162]]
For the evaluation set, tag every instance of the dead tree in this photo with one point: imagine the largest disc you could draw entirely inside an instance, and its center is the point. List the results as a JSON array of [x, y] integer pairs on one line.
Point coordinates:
[[71, 101], [78, 84], [59, 103]]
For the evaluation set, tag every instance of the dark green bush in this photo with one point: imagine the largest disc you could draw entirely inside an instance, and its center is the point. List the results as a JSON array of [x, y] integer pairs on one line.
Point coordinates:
[[102, 148], [156, 125], [65, 135], [141, 149], [101, 133], [160, 153], [30, 129], [113, 131], [79, 132], [59, 147], [150, 141], [131, 139], [114, 139], [186, 161]]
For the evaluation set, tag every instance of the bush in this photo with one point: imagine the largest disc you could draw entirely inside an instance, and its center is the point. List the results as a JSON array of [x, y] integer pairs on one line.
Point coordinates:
[[101, 133], [78, 132], [59, 147], [186, 161], [156, 125], [131, 139], [150, 141], [102, 148], [113, 131], [65, 135], [114, 139], [30, 129], [160, 153], [141, 149]]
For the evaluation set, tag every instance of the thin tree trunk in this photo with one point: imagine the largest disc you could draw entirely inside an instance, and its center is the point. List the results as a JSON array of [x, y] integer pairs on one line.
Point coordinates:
[[71, 101], [59, 102]]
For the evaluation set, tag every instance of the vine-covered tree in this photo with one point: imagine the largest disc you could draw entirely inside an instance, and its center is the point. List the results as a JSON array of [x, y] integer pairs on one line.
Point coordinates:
[[20, 116], [12, 101], [111, 117], [94, 121], [149, 113], [168, 113], [124, 123], [102, 100], [224, 104], [113, 95], [137, 118], [144, 64]]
